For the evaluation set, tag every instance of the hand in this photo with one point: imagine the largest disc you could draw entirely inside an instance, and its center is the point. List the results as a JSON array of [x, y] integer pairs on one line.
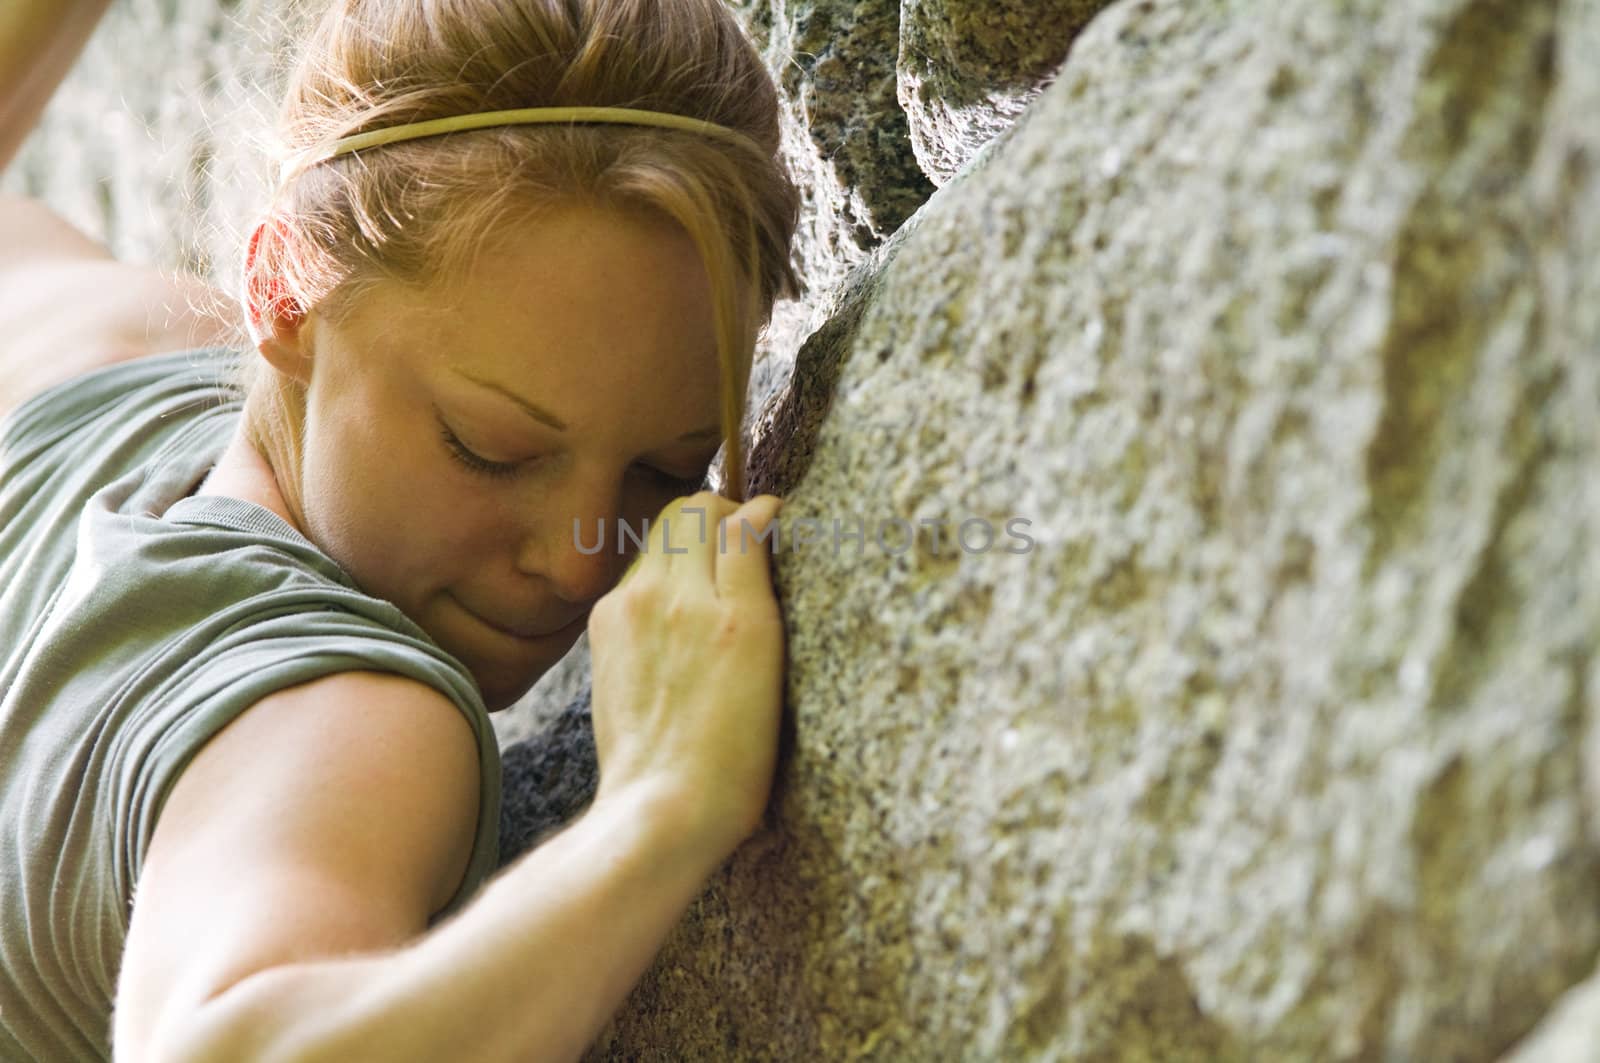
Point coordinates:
[[687, 655]]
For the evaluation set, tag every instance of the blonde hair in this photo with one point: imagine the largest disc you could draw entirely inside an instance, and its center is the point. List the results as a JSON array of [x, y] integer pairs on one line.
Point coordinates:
[[420, 211]]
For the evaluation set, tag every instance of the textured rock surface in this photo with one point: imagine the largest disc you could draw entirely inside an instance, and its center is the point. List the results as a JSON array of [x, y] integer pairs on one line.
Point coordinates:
[[847, 144], [1280, 323], [548, 779], [968, 69]]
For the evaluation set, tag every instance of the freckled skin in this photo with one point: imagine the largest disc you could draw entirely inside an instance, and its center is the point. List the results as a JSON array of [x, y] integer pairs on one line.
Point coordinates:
[[603, 319]]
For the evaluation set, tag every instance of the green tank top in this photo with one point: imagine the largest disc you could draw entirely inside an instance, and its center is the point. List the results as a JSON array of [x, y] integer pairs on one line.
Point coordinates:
[[135, 623]]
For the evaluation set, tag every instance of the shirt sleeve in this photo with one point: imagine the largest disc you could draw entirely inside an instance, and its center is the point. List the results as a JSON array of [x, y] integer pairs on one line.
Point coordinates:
[[267, 656]]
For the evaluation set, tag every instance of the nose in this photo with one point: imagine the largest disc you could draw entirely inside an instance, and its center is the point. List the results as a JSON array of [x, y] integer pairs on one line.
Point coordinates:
[[570, 542]]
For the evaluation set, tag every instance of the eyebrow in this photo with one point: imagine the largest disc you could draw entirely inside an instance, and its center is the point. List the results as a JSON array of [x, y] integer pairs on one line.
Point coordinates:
[[544, 416]]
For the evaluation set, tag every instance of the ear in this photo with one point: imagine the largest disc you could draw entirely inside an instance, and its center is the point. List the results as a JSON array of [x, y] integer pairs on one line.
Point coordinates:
[[275, 316]]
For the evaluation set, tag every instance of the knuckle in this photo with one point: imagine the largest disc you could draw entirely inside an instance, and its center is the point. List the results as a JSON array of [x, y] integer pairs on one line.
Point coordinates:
[[714, 504], [681, 609], [641, 597], [600, 624], [607, 608]]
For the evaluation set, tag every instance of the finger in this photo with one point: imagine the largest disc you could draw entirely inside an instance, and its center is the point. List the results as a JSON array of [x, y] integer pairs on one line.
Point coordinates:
[[694, 539], [651, 554], [743, 565], [674, 532]]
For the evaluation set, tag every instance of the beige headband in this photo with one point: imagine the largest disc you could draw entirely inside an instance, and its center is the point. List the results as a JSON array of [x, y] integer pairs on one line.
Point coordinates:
[[524, 116]]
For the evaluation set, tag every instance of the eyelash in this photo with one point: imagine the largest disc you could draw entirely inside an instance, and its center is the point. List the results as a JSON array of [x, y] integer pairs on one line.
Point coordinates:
[[502, 470], [459, 451]]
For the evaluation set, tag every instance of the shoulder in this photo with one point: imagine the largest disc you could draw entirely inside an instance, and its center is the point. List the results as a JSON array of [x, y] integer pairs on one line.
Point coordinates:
[[359, 758]]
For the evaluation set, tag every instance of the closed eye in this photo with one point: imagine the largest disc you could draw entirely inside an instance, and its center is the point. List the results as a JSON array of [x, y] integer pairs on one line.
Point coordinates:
[[678, 485], [475, 462]]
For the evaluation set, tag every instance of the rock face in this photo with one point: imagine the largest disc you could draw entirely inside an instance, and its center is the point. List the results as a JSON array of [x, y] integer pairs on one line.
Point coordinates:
[[968, 69], [1279, 323], [848, 146]]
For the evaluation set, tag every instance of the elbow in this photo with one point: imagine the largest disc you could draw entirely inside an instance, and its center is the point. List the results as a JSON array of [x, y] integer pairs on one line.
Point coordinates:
[[269, 1016]]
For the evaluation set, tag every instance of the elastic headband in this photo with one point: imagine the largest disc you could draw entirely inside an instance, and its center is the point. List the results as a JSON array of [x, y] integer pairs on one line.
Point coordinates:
[[524, 116]]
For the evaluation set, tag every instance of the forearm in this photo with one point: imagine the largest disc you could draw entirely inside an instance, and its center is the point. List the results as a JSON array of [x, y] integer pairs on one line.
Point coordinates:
[[531, 969], [39, 42]]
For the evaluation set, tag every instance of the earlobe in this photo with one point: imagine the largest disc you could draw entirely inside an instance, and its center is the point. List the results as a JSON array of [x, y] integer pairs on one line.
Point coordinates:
[[284, 351]]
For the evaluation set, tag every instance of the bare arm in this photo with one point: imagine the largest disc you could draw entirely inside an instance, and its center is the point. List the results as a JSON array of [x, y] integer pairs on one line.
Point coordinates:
[[531, 970], [39, 42]]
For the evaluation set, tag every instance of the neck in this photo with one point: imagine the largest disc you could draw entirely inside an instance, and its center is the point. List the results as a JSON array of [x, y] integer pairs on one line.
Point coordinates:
[[248, 467]]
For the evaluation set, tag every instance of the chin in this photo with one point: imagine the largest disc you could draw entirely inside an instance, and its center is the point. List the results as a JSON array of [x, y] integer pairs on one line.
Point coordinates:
[[497, 697]]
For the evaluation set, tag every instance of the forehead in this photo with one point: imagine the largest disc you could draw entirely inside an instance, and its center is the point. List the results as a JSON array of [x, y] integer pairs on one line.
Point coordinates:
[[608, 312]]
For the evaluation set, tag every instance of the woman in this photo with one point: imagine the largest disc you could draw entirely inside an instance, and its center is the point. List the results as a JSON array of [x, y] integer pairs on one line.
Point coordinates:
[[255, 615]]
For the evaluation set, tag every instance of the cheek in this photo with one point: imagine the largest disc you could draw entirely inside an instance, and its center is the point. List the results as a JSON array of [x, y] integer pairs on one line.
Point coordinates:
[[388, 508], [440, 521], [459, 524]]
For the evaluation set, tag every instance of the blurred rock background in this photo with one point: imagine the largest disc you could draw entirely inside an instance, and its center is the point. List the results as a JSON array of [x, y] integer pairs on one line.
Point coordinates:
[[155, 142], [1280, 325]]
